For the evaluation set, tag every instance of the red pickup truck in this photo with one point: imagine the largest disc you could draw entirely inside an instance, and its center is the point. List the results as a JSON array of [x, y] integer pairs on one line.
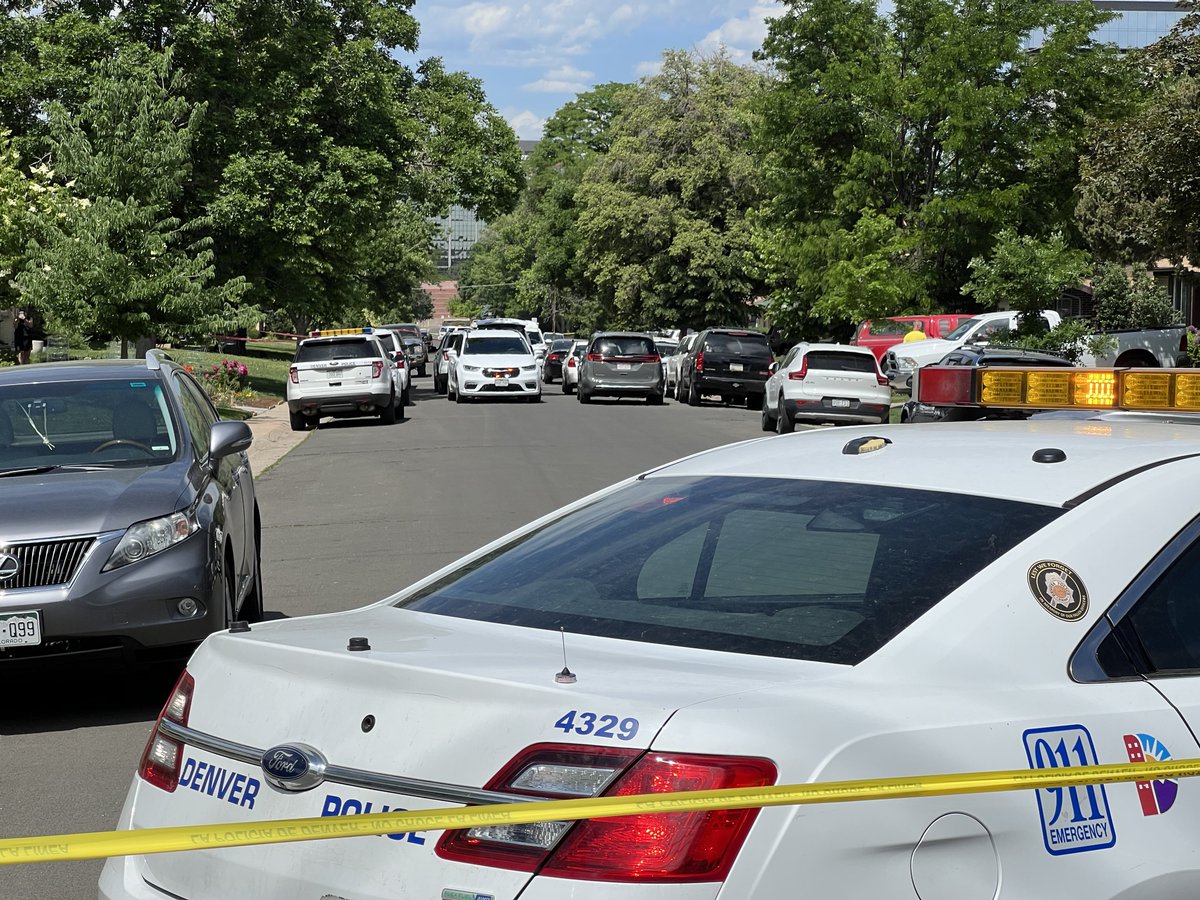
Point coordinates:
[[881, 334]]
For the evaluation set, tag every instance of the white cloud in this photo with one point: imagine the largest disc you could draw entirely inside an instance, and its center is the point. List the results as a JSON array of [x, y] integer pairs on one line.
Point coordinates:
[[741, 35], [482, 20], [563, 80], [648, 69], [528, 125]]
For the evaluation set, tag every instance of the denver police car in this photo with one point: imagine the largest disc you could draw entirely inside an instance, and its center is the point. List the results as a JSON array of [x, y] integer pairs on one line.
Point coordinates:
[[838, 604]]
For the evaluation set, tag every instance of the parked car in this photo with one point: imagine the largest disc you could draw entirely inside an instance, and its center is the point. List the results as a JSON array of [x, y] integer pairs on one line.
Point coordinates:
[[556, 355], [915, 411], [574, 359], [495, 363], [621, 364], [128, 518], [880, 334], [444, 359], [816, 383], [675, 361], [665, 347], [393, 346], [902, 360], [732, 363], [343, 373], [413, 330]]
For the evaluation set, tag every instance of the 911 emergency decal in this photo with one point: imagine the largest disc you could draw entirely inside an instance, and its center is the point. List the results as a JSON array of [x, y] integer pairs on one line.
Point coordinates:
[[1156, 797], [1074, 819], [1059, 590]]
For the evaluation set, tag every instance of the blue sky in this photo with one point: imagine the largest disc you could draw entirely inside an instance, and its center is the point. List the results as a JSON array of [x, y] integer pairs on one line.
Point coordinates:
[[535, 55]]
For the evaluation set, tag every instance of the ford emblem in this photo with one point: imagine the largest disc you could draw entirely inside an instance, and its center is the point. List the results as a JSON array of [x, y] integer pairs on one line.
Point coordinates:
[[293, 767]]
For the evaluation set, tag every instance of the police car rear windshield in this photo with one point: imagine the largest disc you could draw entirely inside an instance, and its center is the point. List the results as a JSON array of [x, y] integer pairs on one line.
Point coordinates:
[[810, 570], [337, 348]]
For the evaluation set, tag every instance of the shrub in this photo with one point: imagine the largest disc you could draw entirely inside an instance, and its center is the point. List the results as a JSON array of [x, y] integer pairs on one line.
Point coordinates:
[[226, 381]]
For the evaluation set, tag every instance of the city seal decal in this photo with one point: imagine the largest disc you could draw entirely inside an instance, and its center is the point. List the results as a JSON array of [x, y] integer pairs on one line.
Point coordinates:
[[1059, 590]]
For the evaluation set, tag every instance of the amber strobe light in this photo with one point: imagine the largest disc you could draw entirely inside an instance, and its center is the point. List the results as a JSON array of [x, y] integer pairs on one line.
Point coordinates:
[[1061, 388]]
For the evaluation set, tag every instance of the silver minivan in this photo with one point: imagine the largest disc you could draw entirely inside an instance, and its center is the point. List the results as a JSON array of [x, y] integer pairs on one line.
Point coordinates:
[[621, 364]]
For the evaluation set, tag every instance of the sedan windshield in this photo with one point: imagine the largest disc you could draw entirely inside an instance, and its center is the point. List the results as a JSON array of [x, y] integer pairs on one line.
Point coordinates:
[[84, 423], [810, 570], [491, 345]]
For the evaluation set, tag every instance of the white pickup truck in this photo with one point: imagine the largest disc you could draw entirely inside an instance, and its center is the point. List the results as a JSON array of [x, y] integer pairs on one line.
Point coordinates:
[[902, 360], [1143, 347]]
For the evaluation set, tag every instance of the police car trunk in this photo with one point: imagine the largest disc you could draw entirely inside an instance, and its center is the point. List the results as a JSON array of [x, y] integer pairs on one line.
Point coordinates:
[[468, 708]]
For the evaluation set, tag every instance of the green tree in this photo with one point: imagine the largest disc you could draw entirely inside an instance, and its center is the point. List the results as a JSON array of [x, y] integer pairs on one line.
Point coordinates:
[[898, 145], [1130, 300], [1139, 198], [663, 215], [114, 258]]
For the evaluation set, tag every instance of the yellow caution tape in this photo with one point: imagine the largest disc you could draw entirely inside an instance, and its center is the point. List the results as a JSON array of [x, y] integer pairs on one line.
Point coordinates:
[[101, 844]]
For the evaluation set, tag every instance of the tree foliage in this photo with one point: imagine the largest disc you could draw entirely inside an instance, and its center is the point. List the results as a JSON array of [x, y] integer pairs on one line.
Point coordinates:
[[664, 214], [1139, 198], [321, 154], [115, 258], [898, 145]]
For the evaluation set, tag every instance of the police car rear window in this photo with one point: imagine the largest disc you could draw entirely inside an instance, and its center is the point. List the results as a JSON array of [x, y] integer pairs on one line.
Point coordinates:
[[811, 570], [338, 348]]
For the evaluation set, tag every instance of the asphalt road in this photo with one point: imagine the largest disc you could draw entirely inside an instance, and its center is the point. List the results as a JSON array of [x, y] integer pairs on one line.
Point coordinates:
[[354, 513]]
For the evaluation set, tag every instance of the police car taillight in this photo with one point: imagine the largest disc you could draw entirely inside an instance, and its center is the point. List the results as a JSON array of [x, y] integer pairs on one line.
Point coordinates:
[[163, 756], [294, 374], [676, 847], [377, 368]]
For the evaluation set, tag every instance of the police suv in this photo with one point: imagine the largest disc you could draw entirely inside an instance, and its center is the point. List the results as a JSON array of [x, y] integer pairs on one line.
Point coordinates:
[[839, 604], [344, 372]]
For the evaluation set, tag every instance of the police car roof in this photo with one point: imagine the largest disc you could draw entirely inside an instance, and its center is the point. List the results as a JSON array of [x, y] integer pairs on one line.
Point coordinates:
[[993, 459]]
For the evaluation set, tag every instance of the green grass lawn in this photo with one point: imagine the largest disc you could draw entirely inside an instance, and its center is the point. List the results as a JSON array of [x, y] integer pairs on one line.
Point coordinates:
[[267, 363]]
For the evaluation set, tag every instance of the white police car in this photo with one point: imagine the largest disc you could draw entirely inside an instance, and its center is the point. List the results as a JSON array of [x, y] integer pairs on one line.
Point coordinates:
[[838, 604]]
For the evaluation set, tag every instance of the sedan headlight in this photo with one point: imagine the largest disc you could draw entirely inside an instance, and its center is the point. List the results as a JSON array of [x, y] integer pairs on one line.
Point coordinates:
[[467, 368], [150, 537]]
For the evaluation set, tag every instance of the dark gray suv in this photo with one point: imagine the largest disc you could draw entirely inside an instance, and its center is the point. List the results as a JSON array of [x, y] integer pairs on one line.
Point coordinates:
[[128, 520], [621, 364]]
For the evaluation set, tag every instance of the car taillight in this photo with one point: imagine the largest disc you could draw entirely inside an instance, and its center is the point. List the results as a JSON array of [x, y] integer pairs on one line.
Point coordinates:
[[674, 847], [294, 374], [571, 362], [595, 357], [881, 378], [700, 361], [377, 368], [800, 373], [558, 771], [163, 756], [553, 356]]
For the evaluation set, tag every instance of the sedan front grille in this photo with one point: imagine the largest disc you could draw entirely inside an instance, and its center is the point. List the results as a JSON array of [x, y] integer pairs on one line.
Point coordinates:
[[45, 564]]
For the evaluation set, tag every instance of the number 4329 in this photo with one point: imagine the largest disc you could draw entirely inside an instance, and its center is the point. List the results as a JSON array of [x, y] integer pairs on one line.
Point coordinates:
[[601, 726]]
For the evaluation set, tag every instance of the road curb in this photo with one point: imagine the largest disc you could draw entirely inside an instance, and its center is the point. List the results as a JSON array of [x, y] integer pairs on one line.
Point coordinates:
[[273, 437]]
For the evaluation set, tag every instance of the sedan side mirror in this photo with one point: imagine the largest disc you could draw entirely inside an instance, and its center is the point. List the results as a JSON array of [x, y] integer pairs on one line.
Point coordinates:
[[226, 438], [773, 368]]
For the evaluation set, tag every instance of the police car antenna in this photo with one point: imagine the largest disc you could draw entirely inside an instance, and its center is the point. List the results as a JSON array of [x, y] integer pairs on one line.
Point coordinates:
[[566, 676]]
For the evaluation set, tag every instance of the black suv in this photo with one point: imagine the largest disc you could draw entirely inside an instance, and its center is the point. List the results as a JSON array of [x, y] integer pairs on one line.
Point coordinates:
[[732, 363], [128, 520]]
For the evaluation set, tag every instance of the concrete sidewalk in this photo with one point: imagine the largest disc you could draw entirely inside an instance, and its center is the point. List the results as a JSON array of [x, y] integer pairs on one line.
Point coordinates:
[[273, 437]]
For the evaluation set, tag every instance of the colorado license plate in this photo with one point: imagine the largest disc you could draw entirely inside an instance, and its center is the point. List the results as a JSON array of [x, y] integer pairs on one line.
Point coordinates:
[[21, 629], [840, 403], [501, 382], [624, 367], [736, 367]]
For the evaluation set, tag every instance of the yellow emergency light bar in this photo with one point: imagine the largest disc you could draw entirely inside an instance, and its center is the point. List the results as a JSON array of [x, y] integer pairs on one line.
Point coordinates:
[[334, 332], [1013, 387]]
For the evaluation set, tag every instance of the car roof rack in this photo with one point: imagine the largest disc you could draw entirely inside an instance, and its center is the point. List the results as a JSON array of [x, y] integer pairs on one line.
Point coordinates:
[[155, 358]]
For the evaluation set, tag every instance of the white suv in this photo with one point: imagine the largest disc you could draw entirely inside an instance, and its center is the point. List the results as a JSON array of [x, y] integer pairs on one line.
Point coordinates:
[[341, 374], [495, 363], [826, 383]]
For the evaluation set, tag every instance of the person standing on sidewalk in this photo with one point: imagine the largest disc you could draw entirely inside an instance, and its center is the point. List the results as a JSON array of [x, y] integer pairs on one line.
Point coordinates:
[[23, 338]]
